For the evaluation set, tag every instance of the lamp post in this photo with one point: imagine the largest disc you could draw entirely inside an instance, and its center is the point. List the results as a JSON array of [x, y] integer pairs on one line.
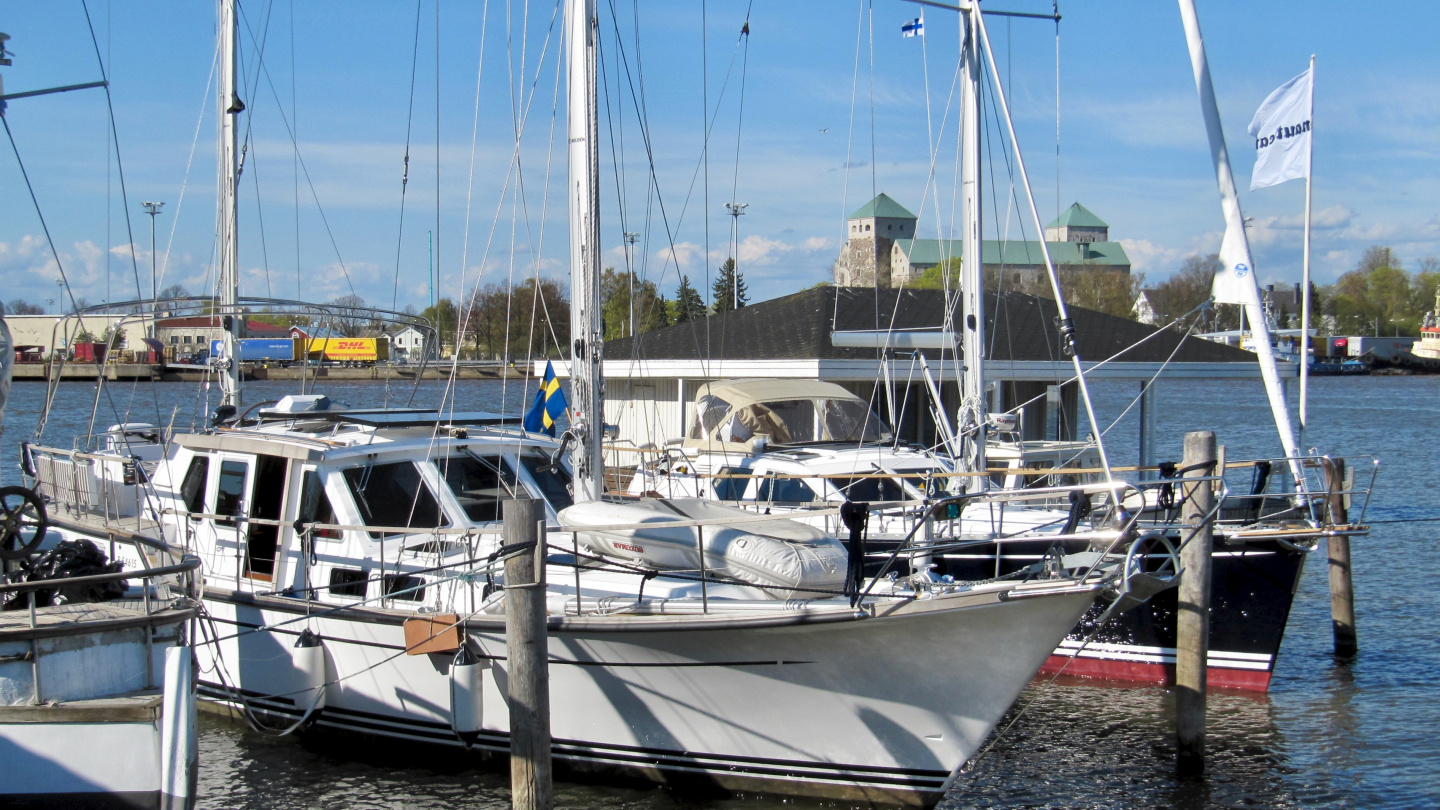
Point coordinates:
[[630, 237], [735, 210], [153, 209]]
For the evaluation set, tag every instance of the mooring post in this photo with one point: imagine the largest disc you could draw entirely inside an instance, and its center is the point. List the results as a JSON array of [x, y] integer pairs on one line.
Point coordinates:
[[1342, 586], [1192, 622], [527, 658]]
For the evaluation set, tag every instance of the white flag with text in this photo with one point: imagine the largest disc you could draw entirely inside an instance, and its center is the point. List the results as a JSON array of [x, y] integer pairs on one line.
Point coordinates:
[[1281, 130]]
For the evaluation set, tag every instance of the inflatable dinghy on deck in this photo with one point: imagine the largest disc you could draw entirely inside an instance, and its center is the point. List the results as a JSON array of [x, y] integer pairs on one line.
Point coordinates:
[[784, 559]]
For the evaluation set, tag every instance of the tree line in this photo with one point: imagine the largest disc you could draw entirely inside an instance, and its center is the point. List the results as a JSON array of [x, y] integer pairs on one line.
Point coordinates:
[[532, 318], [1378, 297]]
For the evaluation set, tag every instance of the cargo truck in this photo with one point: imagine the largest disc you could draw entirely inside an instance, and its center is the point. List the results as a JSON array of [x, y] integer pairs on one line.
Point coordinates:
[[349, 350], [261, 350]]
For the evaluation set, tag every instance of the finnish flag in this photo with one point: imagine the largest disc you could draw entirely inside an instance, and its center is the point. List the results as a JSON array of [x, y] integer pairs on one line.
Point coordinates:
[[914, 28]]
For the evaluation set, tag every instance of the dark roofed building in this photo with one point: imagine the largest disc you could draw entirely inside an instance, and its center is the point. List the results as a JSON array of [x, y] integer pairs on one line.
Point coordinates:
[[652, 378]]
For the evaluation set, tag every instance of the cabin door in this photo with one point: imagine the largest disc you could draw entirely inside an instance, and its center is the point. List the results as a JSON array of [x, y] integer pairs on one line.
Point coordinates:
[[249, 494], [267, 499]]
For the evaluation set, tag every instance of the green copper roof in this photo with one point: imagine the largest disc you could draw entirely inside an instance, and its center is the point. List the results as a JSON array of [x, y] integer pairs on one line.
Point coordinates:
[[1078, 216], [882, 206], [926, 252]]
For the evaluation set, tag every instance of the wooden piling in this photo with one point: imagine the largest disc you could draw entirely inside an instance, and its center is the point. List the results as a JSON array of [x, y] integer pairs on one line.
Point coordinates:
[[1342, 587], [1192, 636], [531, 786]]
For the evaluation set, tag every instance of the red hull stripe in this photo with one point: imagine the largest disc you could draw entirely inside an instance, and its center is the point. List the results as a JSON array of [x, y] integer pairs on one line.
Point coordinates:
[[1141, 672]]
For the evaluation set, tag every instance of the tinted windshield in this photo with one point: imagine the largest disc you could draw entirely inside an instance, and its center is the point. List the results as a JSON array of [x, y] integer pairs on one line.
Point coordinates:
[[394, 495], [554, 484], [479, 483], [800, 421]]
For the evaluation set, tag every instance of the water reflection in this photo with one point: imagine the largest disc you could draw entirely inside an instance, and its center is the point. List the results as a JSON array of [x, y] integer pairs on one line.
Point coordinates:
[[1082, 745]]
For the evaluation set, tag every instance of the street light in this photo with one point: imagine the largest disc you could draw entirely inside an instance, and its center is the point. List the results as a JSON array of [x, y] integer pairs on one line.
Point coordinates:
[[736, 210], [153, 209], [630, 237]]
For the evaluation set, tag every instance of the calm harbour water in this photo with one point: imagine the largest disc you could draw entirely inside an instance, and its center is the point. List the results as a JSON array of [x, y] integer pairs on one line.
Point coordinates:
[[1328, 735]]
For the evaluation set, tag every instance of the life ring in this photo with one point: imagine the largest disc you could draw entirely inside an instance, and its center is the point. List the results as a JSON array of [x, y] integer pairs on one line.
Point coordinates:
[[21, 509]]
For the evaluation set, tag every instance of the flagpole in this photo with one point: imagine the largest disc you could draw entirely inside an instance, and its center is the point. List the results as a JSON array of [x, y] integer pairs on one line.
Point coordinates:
[[1305, 274]]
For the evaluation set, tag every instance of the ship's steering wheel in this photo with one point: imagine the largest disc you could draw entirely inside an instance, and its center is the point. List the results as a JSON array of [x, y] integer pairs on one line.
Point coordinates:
[[22, 522]]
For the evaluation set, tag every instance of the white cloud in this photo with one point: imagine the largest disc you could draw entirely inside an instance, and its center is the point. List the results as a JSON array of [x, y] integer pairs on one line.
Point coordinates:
[[1335, 216]]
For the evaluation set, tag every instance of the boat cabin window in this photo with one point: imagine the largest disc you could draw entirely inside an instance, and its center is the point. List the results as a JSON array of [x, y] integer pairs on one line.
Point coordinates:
[[315, 506], [192, 488], [709, 410], [871, 489], [230, 493], [784, 490], [731, 489], [555, 485], [394, 495], [479, 483], [800, 421], [348, 582], [405, 587]]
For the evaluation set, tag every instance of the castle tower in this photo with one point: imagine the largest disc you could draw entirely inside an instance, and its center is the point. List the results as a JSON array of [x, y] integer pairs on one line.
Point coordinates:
[[865, 259], [1077, 224]]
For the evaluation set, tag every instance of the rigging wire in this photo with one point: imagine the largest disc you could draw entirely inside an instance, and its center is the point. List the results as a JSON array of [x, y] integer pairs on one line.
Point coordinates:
[[314, 194], [295, 168], [405, 172], [119, 164]]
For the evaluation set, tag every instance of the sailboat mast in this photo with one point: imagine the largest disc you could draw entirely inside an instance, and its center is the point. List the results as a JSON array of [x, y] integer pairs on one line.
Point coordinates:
[[229, 106], [972, 276], [1235, 248], [586, 346]]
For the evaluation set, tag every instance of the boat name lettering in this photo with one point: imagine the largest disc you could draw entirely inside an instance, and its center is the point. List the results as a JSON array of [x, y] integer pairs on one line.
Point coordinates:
[[1282, 133]]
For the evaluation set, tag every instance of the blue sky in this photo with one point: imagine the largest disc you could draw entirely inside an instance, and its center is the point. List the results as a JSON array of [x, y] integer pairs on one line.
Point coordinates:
[[1132, 144]]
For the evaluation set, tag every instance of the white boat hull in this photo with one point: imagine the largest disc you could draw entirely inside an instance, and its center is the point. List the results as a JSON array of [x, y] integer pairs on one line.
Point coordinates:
[[875, 709]]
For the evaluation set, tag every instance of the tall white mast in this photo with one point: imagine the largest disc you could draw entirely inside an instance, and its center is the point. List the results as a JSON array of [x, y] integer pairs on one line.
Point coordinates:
[[1235, 249], [1305, 278], [586, 345], [972, 276], [228, 106]]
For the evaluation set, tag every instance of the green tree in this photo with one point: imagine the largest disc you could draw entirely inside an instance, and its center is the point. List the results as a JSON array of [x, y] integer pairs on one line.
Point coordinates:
[[688, 305], [729, 292], [650, 309], [1379, 296], [443, 316]]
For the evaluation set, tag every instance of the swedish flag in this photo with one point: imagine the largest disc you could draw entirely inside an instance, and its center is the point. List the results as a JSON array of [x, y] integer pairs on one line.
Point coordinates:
[[549, 404]]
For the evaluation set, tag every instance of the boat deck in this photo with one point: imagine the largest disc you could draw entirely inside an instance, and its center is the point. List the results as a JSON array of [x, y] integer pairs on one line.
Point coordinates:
[[72, 619], [138, 707]]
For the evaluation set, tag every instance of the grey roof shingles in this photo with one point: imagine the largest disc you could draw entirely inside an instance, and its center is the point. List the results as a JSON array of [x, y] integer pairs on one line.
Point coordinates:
[[798, 326]]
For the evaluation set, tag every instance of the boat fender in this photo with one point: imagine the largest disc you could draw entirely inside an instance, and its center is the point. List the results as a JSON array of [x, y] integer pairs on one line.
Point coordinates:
[[856, 516], [308, 655], [179, 743], [467, 689], [27, 460]]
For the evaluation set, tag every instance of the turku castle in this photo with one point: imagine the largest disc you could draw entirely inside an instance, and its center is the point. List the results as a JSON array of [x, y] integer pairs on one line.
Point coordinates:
[[882, 249]]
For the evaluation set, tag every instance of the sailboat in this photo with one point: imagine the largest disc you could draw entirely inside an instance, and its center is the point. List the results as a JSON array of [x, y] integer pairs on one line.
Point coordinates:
[[742, 447], [353, 576]]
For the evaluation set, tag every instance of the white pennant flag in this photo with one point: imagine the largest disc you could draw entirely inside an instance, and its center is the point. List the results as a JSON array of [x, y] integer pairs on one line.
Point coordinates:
[[1235, 281], [1281, 130]]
